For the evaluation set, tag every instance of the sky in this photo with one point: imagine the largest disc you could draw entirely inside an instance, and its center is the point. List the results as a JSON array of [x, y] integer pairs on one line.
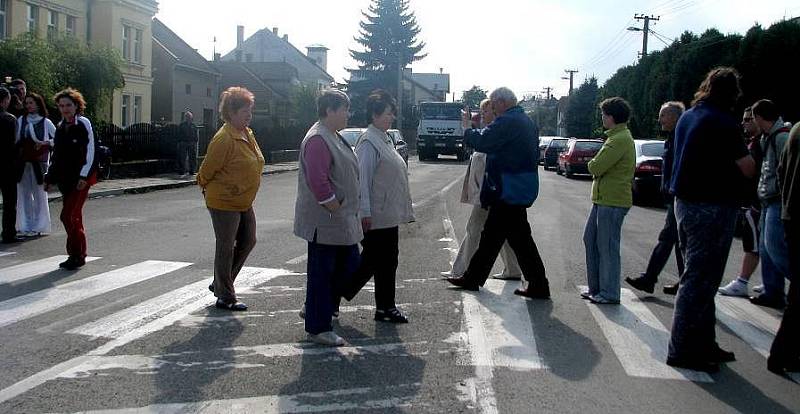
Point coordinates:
[[523, 44]]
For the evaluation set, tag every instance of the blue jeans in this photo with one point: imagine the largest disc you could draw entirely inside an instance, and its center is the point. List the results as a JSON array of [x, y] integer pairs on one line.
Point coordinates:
[[601, 237], [705, 232], [329, 269], [773, 250]]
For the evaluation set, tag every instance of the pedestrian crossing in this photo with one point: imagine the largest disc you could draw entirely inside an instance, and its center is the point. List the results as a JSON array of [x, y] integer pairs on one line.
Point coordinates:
[[498, 332]]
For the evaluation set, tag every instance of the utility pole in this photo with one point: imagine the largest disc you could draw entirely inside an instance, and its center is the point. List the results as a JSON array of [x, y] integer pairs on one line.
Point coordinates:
[[547, 90], [400, 90], [645, 31], [571, 73]]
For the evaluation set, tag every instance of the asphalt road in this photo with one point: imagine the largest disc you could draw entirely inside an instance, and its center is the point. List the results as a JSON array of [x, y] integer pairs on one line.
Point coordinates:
[[134, 330]]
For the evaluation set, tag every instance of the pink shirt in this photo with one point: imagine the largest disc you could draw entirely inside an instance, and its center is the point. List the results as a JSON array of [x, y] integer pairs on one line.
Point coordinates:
[[317, 158]]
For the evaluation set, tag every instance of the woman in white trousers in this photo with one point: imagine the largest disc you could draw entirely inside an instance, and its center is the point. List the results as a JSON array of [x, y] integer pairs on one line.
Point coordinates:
[[35, 137]]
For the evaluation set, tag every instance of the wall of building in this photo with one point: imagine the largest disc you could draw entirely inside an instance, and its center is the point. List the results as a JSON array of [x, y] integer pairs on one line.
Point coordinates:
[[204, 94]]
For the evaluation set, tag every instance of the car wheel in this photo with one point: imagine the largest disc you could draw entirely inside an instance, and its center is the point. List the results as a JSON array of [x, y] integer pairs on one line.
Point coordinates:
[[558, 169], [567, 172]]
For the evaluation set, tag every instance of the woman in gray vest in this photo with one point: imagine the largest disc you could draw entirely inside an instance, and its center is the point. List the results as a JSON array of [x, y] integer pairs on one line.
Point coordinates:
[[385, 204], [326, 214]]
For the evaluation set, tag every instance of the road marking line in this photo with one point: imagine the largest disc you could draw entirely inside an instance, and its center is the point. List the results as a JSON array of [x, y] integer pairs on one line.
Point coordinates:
[[479, 389], [427, 200], [37, 303], [130, 319], [297, 260], [7, 253], [34, 268], [241, 357], [248, 277], [308, 402], [748, 322], [639, 339]]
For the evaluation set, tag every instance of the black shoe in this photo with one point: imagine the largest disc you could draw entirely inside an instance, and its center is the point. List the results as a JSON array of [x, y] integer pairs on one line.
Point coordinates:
[[72, 263], [782, 368], [211, 288], [696, 365], [720, 355], [671, 289], [534, 292], [14, 239], [463, 283], [641, 283], [232, 306], [392, 315], [764, 300]]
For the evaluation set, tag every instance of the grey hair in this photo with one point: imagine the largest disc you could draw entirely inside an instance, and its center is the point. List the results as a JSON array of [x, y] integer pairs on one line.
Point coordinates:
[[676, 107], [503, 94]]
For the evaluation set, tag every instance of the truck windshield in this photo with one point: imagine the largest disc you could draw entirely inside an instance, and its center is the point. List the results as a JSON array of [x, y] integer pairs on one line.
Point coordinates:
[[440, 112]]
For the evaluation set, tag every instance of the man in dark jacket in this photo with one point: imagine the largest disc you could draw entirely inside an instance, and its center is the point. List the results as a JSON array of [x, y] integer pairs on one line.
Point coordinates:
[[784, 356], [511, 185], [187, 145], [8, 169]]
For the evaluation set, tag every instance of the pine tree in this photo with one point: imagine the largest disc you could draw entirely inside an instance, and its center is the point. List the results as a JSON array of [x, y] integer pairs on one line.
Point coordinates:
[[388, 35]]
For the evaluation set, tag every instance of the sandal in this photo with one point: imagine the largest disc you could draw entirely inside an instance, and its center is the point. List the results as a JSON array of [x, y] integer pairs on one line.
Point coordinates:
[[231, 306], [392, 315]]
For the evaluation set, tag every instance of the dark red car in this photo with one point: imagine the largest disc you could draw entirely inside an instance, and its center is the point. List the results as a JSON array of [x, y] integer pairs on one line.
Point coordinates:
[[576, 156]]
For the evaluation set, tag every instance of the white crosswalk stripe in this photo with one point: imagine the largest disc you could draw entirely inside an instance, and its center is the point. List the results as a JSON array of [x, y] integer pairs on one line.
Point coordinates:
[[35, 268], [639, 339], [308, 402], [7, 253], [39, 302]]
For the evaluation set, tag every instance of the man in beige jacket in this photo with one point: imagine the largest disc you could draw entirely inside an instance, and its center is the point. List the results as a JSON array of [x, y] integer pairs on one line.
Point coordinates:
[[470, 194]]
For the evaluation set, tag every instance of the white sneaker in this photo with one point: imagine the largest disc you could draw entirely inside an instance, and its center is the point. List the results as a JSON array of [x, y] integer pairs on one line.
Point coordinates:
[[328, 338], [734, 288], [758, 288]]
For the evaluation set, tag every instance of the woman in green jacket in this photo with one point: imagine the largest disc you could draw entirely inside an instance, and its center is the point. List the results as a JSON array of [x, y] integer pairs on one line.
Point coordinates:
[[612, 170]]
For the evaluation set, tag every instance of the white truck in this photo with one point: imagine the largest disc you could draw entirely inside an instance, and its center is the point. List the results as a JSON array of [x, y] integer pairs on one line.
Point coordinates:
[[440, 131]]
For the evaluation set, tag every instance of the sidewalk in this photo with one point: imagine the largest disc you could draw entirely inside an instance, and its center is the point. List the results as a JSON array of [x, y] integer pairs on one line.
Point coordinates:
[[155, 183]]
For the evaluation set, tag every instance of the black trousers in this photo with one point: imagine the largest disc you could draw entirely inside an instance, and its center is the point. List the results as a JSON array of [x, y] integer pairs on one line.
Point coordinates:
[[507, 223], [667, 239], [378, 259], [9, 191], [786, 346]]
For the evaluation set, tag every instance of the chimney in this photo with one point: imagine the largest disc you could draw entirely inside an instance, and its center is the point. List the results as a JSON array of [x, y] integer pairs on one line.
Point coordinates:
[[441, 70], [217, 57], [239, 36], [275, 31], [286, 38]]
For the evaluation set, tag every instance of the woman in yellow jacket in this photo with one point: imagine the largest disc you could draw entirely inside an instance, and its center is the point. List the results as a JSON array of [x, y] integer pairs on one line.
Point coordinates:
[[230, 176]]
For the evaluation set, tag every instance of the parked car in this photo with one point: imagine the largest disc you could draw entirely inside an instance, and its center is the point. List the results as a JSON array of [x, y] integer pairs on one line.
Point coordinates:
[[647, 176], [575, 158], [543, 141], [351, 136], [399, 143], [554, 148]]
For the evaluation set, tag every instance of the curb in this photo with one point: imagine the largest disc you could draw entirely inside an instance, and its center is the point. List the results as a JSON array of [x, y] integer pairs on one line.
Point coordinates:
[[154, 187]]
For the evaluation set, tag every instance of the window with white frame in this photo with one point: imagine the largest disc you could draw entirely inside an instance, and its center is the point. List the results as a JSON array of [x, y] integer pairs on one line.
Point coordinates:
[[126, 107], [126, 42], [137, 109], [32, 18], [52, 24], [3, 6], [137, 46], [70, 29]]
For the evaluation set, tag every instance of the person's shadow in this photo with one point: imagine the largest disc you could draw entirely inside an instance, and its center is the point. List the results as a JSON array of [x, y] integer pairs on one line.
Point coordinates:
[[185, 372], [378, 372]]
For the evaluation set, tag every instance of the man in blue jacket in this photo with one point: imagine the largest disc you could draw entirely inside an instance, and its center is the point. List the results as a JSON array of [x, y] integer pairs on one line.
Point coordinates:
[[510, 186]]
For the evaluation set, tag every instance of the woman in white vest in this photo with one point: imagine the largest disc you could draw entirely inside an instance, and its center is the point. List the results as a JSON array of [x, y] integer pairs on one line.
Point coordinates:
[[35, 136], [326, 214], [471, 194], [385, 204]]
